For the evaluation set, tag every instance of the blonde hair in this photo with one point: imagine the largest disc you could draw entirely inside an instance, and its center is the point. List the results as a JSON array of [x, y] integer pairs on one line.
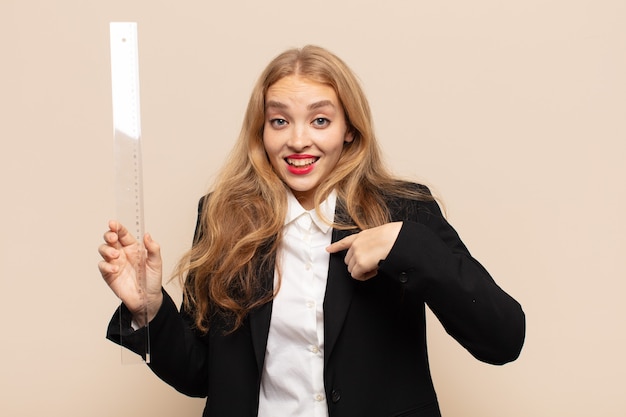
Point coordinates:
[[242, 218]]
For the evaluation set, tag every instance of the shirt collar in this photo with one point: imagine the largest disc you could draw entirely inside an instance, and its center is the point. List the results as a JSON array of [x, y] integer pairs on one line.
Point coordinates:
[[295, 210]]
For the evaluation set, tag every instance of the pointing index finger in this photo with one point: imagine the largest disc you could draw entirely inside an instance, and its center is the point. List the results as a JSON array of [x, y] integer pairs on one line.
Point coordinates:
[[342, 244]]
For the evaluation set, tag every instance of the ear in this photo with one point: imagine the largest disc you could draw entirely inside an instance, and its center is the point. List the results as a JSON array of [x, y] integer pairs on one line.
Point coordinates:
[[349, 136]]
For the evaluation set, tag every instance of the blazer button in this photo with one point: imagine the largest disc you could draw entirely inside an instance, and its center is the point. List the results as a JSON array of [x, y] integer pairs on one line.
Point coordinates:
[[335, 396], [403, 277]]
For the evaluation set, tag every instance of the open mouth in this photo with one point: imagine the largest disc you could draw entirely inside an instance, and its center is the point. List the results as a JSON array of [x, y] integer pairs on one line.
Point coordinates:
[[301, 163]]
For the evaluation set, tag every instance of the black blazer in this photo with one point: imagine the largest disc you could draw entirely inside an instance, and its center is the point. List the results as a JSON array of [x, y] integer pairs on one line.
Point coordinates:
[[375, 360]]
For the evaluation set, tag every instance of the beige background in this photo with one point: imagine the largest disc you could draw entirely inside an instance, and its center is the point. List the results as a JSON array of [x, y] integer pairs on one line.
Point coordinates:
[[512, 111]]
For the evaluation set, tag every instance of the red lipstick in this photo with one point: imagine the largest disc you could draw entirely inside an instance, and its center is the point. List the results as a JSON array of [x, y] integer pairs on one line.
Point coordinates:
[[300, 164]]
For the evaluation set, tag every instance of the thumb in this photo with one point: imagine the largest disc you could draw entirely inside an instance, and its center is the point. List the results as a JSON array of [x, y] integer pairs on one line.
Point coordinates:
[[153, 249], [342, 244]]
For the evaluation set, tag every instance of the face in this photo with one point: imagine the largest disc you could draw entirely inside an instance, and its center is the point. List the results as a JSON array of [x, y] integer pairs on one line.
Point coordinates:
[[304, 134]]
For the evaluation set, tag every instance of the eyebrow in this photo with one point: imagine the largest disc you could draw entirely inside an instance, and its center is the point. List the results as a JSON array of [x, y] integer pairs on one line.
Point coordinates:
[[275, 105], [318, 104], [323, 103]]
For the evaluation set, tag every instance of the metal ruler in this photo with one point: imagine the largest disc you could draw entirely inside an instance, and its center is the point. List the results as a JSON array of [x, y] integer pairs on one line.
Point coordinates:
[[127, 138]]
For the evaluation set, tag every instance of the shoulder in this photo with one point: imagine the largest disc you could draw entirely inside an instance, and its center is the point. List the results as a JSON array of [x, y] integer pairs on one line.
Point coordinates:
[[204, 201], [410, 201], [406, 189]]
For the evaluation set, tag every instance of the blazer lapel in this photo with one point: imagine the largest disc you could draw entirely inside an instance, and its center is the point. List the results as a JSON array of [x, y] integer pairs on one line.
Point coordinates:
[[339, 290], [259, 330], [260, 318]]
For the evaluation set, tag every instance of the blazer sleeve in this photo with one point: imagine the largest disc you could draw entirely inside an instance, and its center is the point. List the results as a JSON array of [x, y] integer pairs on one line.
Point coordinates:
[[178, 355], [429, 258]]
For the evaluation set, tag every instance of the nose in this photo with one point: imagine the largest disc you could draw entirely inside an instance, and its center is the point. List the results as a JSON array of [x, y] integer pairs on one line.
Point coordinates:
[[299, 139]]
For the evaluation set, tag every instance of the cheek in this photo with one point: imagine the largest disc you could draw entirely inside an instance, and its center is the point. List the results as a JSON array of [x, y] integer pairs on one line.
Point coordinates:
[[271, 151], [273, 142], [339, 144], [267, 144]]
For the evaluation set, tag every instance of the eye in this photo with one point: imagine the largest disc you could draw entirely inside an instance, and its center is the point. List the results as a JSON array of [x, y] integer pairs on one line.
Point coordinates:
[[277, 123], [321, 122]]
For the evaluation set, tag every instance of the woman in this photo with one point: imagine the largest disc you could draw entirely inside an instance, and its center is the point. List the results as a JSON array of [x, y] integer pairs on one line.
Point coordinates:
[[305, 289]]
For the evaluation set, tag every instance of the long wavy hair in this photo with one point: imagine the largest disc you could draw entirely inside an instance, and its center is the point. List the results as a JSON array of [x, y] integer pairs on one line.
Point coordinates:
[[239, 230]]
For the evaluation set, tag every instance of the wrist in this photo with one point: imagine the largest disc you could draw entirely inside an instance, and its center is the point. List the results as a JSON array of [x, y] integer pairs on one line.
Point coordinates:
[[148, 312]]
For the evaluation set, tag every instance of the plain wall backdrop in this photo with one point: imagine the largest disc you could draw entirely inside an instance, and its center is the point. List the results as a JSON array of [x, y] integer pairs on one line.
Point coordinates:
[[513, 112]]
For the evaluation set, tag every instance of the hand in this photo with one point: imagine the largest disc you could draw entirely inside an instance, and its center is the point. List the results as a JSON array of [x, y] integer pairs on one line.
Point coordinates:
[[367, 248], [120, 253]]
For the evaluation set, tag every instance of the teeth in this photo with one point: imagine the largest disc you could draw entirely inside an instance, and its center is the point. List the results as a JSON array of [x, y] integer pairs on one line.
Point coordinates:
[[301, 162]]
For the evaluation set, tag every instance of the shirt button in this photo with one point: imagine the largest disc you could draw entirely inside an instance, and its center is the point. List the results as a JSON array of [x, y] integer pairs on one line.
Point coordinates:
[[315, 349], [307, 266], [310, 304], [403, 277], [319, 397]]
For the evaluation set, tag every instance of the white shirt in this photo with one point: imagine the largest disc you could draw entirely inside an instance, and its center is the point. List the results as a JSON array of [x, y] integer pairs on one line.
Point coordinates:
[[292, 383]]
